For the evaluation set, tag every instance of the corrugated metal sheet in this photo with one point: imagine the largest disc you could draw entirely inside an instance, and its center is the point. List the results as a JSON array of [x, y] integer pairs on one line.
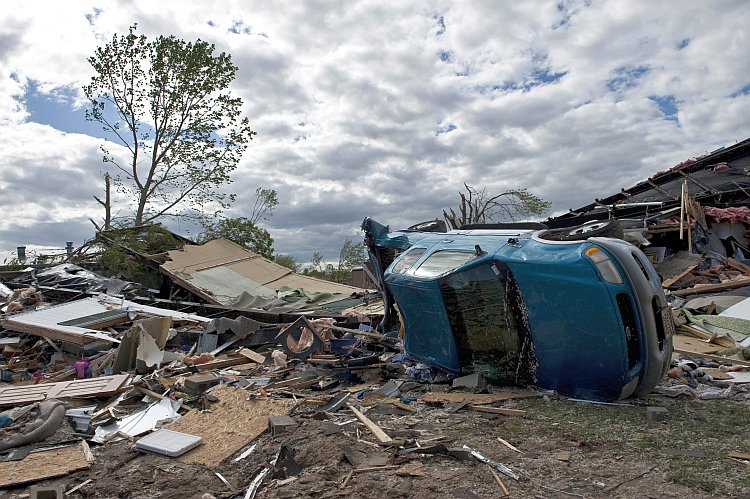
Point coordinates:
[[219, 271]]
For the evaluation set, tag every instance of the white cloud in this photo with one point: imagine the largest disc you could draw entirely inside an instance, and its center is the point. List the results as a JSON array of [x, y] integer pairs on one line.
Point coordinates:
[[386, 108]]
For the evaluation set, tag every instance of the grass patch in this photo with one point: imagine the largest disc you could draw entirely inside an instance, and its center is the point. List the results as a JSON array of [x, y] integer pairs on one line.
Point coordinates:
[[713, 427]]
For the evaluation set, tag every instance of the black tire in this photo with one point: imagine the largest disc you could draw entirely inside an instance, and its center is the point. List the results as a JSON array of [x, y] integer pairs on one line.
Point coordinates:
[[594, 228]]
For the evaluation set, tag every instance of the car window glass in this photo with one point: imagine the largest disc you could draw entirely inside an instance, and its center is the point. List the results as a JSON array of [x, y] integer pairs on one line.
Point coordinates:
[[441, 262], [408, 260]]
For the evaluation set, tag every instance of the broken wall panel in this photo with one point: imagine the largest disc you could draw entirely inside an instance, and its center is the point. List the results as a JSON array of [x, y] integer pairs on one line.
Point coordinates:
[[75, 321], [220, 271]]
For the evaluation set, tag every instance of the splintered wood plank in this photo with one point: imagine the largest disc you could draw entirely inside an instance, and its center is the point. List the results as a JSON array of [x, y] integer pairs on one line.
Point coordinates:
[[498, 410], [92, 387], [232, 423], [694, 345], [42, 465], [712, 288], [382, 436], [254, 356], [475, 398]]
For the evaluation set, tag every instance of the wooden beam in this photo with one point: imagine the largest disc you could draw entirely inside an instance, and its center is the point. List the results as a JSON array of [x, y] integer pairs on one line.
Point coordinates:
[[382, 436], [221, 363], [745, 269], [498, 410], [668, 282], [712, 288], [722, 341]]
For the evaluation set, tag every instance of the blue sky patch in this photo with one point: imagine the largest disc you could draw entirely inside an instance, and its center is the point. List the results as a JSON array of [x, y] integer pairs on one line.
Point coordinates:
[[57, 110], [91, 18], [440, 24], [626, 77], [239, 27], [667, 105], [683, 43], [443, 129], [445, 56], [743, 91]]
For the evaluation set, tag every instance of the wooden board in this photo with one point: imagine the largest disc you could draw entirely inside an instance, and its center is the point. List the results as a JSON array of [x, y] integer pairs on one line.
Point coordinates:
[[498, 410], [712, 288], [716, 357], [232, 423], [92, 387], [42, 465], [722, 341], [382, 436], [694, 345], [475, 398], [716, 373]]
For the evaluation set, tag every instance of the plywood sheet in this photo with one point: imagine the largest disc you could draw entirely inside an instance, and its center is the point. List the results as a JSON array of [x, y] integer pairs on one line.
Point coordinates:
[[42, 465], [694, 344], [475, 398], [232, 423]]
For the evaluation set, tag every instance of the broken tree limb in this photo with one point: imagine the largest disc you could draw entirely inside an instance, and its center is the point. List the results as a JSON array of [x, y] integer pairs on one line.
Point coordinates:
[[346, 480], [382, 436]]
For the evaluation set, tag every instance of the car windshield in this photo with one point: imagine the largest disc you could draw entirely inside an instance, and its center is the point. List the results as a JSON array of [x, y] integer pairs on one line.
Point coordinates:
[[441, 262], [482, 309]]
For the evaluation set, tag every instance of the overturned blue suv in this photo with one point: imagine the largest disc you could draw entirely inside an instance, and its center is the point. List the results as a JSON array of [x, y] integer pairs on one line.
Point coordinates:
[[587, 318]]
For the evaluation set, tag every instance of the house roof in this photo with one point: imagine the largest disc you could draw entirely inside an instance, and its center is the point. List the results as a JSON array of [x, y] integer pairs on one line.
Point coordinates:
[[221, 270], [720, 177]]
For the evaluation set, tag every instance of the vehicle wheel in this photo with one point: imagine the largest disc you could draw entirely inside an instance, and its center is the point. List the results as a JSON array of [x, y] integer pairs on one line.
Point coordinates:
[[595, 228]]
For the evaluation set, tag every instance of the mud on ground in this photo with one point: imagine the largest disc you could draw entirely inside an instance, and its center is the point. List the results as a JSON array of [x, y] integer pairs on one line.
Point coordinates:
[[568, 449]]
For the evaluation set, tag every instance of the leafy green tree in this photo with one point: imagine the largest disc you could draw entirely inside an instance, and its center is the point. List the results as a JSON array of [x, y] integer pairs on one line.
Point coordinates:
[[167, 102], [315, 267], [288, 261], [479, 206], [243, 232], [351, 255], [266, 200]]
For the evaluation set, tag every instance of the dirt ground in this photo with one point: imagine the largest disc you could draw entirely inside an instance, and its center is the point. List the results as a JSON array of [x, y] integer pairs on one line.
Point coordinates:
[[568, 449]]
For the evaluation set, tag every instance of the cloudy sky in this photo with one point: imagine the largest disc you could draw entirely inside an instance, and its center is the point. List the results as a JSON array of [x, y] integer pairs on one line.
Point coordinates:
[[385, 108]]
